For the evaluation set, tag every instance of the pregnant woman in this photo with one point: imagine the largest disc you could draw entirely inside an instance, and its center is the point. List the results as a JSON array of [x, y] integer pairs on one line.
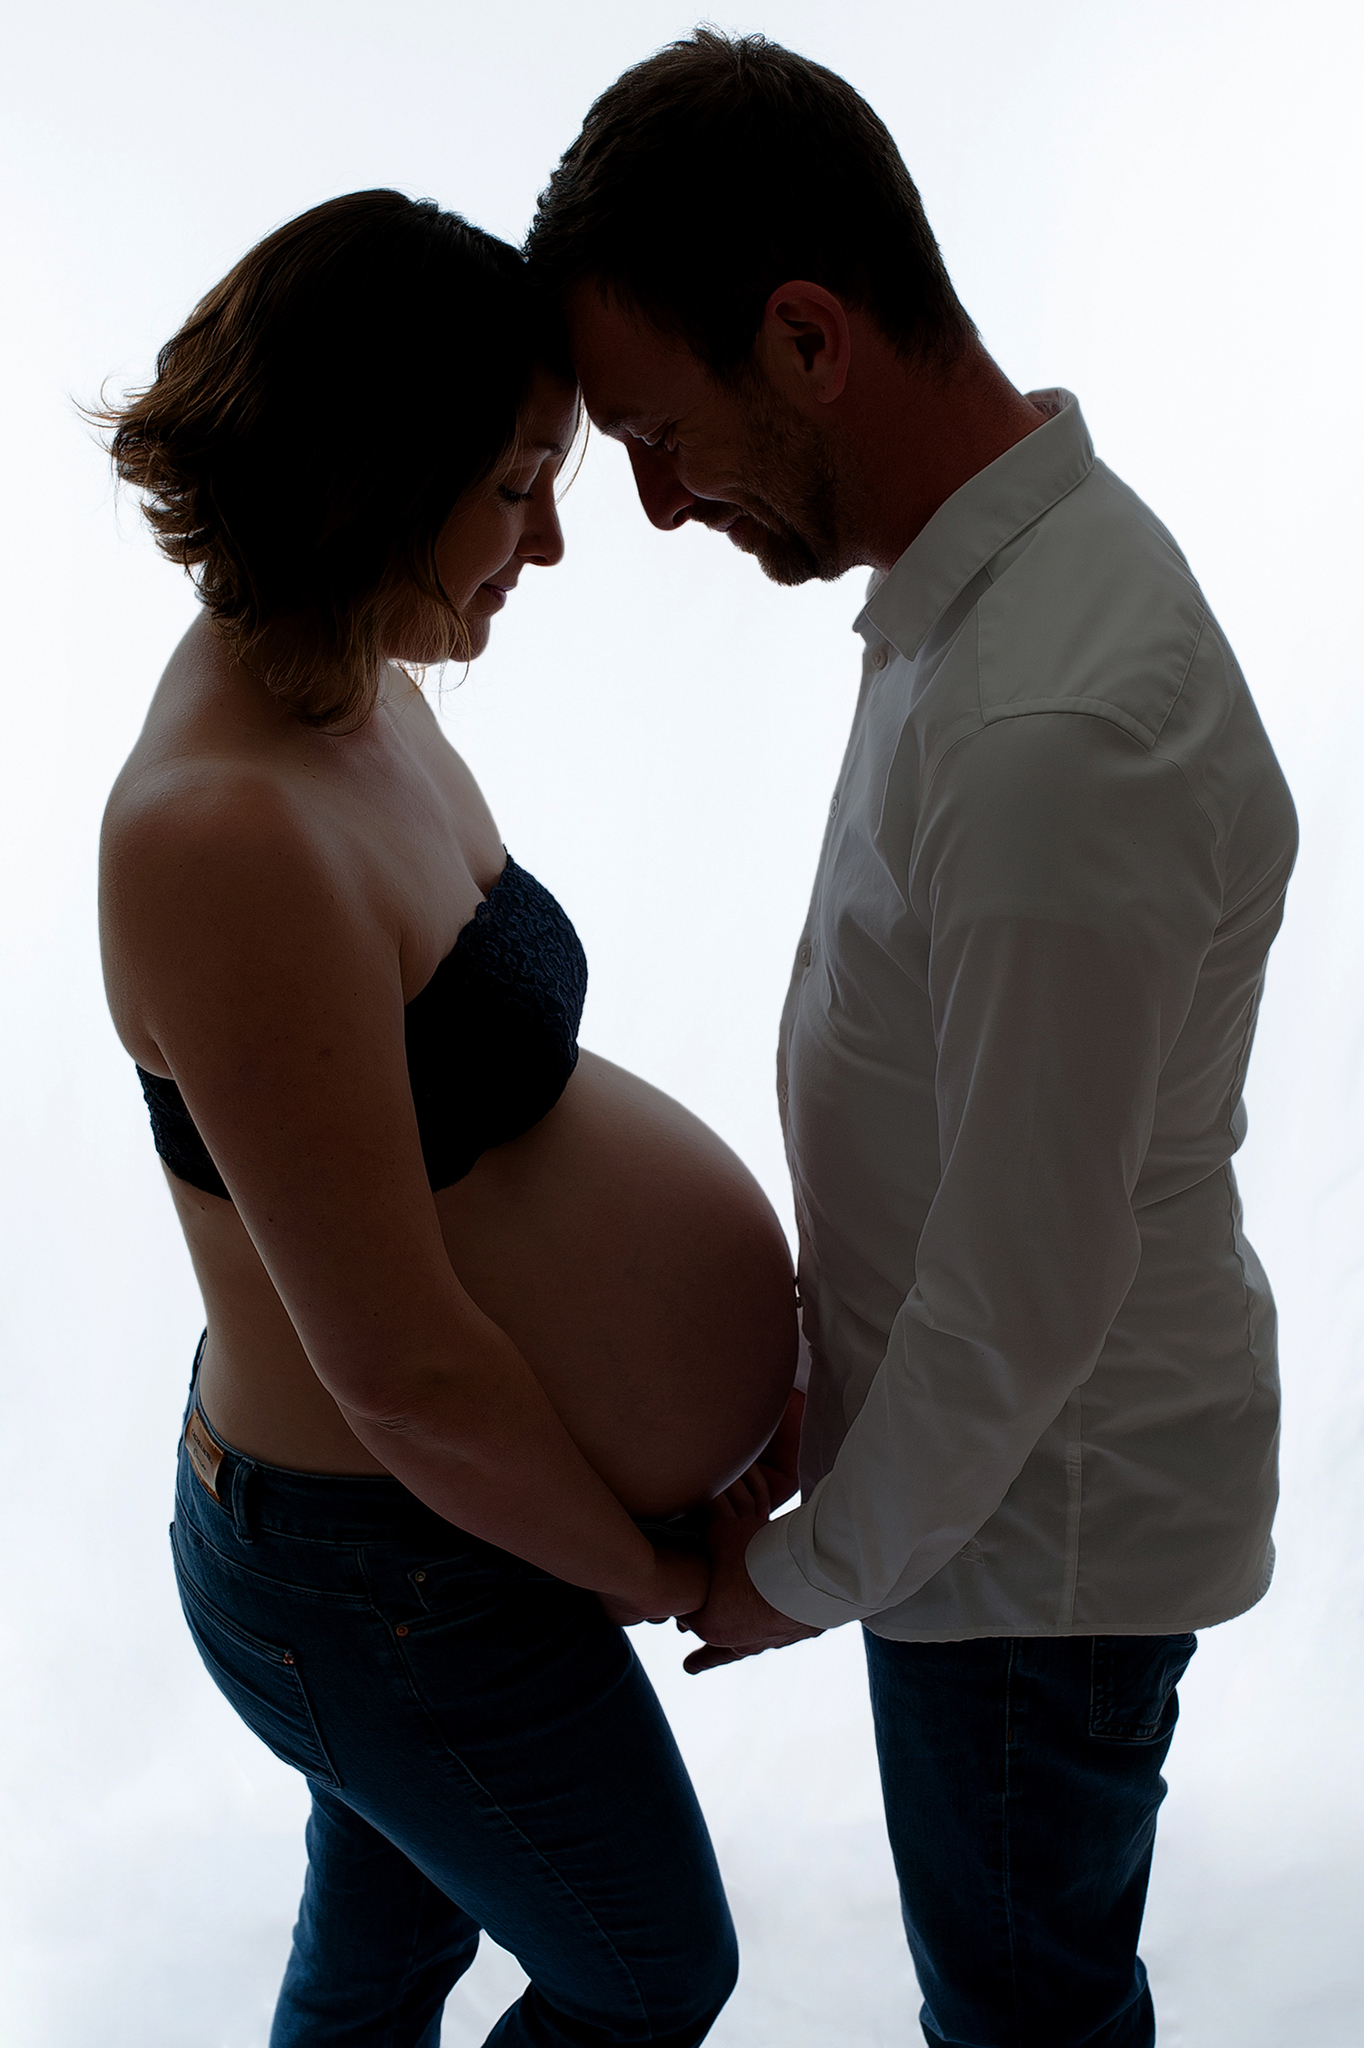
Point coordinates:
[[487, 1317]]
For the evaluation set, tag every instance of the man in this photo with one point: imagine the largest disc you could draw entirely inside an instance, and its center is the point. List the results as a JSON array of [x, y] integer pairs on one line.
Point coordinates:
[[1040, 1444]]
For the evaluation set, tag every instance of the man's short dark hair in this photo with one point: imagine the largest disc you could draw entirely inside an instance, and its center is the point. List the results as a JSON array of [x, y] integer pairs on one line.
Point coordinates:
[[720, 167]]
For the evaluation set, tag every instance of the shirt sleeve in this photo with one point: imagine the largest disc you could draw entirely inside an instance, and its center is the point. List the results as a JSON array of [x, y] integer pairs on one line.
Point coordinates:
[[1068, 881]]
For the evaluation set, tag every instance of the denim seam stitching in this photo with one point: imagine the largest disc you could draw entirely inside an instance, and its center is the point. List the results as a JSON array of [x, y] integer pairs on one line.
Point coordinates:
[[322, 1595], [1009, 1674], [191, 1594], [496, 1806]]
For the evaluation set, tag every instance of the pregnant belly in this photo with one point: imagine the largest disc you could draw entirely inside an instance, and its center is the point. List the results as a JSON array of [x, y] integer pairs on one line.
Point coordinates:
[[627, 1252], [643, 1274]]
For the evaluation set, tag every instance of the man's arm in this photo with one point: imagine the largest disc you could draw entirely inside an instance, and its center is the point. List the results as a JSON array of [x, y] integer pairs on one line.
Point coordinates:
[[1068, 881]]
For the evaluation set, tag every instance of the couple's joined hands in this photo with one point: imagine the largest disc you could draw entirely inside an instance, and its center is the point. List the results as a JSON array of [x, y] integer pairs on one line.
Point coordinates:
[[736, 1621], [727, 1611]]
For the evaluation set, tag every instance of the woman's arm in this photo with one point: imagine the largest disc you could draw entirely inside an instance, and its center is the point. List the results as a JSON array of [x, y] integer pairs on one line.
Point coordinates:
[[256, 958]]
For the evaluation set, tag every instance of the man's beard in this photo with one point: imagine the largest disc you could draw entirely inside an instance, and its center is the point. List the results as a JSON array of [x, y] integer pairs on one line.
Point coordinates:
[[788, 491]]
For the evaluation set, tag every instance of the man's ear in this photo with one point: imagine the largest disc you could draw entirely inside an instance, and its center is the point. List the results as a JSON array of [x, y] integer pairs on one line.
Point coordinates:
[[805, 343]]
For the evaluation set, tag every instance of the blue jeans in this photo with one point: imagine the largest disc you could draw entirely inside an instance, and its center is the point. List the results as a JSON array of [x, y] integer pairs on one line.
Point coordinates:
[[483, 1751], [1021, 1780]]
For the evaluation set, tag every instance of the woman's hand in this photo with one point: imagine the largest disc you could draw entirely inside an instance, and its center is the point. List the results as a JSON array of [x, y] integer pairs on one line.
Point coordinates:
[[684, 1582], [680, 1585], [736, 1621]]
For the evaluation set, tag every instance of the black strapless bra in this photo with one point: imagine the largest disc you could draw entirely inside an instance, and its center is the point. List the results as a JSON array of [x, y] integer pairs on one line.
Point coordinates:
[[491, 1039]]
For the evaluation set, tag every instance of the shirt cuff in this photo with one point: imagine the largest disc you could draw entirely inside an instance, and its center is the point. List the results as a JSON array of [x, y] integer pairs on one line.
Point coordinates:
[[784, 1585]]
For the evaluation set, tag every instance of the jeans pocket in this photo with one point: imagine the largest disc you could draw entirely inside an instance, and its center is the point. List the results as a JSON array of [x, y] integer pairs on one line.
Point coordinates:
[[1132, 1684], [474, 1583], [259, 1679]]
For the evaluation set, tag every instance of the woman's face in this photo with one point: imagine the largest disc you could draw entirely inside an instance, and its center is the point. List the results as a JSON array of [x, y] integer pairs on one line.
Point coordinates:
[[503, 523]]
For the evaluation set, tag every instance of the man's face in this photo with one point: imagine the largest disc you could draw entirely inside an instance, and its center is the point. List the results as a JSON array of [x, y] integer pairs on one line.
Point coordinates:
[[738, 458]]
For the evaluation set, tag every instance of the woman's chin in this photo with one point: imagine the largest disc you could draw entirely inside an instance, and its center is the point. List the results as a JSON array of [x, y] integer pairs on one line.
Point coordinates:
[[479, 633]]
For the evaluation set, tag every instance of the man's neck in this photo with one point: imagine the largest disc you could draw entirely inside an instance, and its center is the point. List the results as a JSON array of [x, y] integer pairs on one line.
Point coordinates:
[[913, 433]]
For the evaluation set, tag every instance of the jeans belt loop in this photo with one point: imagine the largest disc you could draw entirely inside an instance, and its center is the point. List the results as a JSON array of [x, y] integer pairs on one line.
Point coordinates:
[[243, 1472]]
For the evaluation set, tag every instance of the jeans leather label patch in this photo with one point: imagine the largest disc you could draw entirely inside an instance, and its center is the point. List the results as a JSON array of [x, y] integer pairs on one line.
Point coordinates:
[[204, 1454]]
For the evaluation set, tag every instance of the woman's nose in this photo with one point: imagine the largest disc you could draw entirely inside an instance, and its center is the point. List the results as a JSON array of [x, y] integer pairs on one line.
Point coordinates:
[[544, 544], [666, 500]]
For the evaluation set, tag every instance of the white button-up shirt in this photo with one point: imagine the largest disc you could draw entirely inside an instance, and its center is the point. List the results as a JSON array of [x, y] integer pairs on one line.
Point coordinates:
[[1043, 1389]]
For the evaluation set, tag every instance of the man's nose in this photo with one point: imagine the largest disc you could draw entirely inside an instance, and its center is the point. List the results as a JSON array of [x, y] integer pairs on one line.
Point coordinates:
[[663, 495]]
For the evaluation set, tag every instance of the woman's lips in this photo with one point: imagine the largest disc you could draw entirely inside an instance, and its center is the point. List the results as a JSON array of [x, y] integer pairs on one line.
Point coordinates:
[[496, 593]]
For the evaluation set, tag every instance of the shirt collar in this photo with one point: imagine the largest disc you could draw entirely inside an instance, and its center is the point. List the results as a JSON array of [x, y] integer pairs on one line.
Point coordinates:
[[977, 521]]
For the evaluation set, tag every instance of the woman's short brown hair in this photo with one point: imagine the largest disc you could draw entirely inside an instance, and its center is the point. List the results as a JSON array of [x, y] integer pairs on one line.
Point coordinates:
[[314, 421]]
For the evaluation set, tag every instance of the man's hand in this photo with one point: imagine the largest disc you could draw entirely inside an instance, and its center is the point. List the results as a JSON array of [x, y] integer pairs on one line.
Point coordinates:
[[736, 1621]]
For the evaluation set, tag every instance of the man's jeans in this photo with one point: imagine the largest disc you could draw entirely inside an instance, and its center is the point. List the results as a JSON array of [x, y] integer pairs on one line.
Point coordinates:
[[483, 1751], [1021, 1779]]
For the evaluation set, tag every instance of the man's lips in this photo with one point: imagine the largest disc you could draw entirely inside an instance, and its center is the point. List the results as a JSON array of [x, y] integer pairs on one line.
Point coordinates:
[[730, 516], [745, 531]]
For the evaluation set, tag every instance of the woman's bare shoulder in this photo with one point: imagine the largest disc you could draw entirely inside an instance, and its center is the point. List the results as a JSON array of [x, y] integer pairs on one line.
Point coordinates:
[[172, 804], [211, 833], [216, 780], [215, 868]]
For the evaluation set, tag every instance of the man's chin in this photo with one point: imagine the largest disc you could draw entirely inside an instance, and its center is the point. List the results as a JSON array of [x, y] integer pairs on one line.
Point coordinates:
[[783, 558]]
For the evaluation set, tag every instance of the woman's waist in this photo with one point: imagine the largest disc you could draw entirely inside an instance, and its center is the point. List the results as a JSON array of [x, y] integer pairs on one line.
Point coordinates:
[[245, 1506], [669, 1383], [668, 1408], [661, 1446]]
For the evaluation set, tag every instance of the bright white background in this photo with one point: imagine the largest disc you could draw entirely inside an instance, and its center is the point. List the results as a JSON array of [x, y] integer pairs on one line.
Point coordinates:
[[1154, 202]]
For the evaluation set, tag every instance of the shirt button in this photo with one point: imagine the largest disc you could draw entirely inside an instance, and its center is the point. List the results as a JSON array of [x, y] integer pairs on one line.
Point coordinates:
[[805, 956], [833, 806], [880, 658]]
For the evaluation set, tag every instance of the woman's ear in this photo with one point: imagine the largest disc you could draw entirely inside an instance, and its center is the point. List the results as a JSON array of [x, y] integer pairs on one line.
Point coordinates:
[[805, 343]]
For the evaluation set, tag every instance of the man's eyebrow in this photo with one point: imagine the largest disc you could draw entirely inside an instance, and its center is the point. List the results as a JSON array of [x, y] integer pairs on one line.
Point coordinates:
[[612, 422]]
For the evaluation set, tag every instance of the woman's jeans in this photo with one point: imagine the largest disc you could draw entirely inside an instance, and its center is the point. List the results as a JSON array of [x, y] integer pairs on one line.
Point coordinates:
[[483, 1751], [1021, 1779]]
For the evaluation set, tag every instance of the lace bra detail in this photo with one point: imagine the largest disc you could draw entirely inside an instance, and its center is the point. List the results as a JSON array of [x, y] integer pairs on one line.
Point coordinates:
[[491, 1039]]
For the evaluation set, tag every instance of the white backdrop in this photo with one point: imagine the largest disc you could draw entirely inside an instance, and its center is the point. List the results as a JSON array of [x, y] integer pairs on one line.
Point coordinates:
[[1154, 202]]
